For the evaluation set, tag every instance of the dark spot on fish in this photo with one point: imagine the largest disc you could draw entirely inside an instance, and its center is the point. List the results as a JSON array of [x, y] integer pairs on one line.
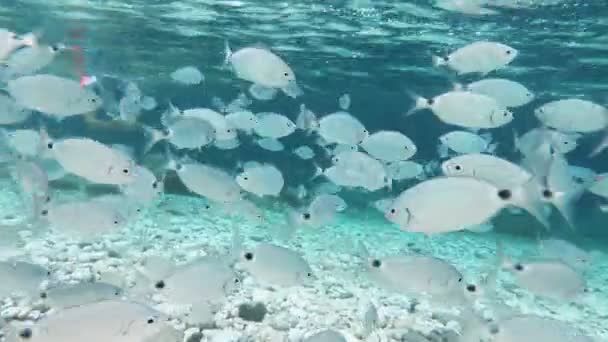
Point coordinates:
[[518, 267], [471, 288], [376, 263], [248, 256], [504, 194], [159, 285], [26, 333]]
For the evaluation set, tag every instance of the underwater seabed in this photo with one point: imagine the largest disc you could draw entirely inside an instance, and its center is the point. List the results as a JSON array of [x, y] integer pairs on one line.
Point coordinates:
[[178, 228]]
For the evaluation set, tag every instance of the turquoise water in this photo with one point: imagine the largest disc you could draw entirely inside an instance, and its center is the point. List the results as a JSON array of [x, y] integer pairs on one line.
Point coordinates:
[[378, 52]]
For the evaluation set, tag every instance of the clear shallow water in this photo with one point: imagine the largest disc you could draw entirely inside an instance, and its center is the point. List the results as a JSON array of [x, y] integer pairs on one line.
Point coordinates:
[[376, 54]]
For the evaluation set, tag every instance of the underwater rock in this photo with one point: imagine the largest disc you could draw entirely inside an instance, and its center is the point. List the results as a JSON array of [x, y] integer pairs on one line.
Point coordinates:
[[252, 312]]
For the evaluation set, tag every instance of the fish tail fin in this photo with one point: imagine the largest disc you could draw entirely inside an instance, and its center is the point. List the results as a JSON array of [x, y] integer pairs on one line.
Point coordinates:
[[492, 148], [562, 191], [171, 161], [603, 144], [31, 39], [443, 150], [362, 250], [456, 86], [46, 141], [237, 241], [516, 141], [438, 61], [153, 136], [318, 171], [227, 53], [528, 197], [420, 103], [170, 114]]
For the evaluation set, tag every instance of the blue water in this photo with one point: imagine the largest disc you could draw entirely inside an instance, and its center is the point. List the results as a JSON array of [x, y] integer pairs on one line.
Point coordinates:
[[376, 51]]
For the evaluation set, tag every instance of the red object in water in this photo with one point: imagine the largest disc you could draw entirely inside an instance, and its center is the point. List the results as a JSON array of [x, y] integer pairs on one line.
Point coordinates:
[[86, 80]]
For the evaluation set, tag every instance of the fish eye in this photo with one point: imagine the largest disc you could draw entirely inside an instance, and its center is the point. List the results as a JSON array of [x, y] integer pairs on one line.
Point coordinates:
[[471, 288], [154, 185], [518, 267], [116, 222], [159, 285], [309, 274], [248, 256], [50, 145], [547, 193], [393, 211], [430, 102], [245, 178], [460, 280], [446, 58], [55, 48], [504, 194], [150, 320], [94, 100], [508, 52], [44, 212], [237, 280], [565, 143], [457, 167], [25, 333], [505, 114], [43, 295], [376, 263], [125, 171], [286, 74], [306, 216]]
